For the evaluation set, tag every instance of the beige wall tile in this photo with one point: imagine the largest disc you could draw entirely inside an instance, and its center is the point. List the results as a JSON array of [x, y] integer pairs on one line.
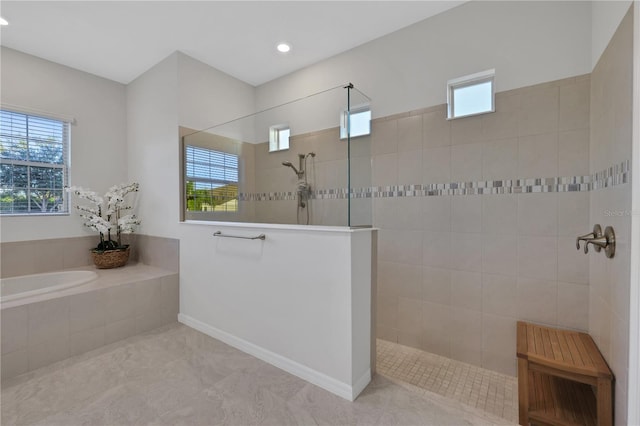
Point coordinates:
[[14, 363], [436, 129], [14, 329], [466, 252], [466, 290], [500, 159], [503, 123], [466, 213], [573, 214], [384, 137], [87, 311], [436, 285], [86, 340], [538, 214], [17, 259], [170, 297], [436, 165], [436, 328], [436, 213], [409, 317], [466, 163], [574, 105], [436, 249], [466, 130], [538, 156], [410, 167], [573, 306], [408, 213], [410, 133], [400, 246], [500, 214], [387, 333], [539, 111], [385, 170], [537, 300], [499, 295], [500, 254], [538, 257], [48, 320], [573, 265], [121, 303], [573, 153], [499, 334], [119, 330], [48, 351], [148, 297]]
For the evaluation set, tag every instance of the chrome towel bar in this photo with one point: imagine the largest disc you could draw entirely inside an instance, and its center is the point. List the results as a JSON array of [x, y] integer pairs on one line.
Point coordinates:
[[220, 234]]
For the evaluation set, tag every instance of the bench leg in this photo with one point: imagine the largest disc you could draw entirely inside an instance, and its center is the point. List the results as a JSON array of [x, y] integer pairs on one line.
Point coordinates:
[[523, 392], [605, 414]]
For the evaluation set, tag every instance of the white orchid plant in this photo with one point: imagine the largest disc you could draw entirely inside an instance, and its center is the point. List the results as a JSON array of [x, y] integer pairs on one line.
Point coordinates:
[[105, 214]]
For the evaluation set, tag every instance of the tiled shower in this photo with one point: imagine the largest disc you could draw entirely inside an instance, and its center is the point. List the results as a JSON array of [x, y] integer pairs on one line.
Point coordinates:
[[478, 218]]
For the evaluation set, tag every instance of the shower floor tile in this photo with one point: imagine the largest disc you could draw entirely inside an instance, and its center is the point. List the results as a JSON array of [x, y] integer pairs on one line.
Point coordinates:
[[477, 387]]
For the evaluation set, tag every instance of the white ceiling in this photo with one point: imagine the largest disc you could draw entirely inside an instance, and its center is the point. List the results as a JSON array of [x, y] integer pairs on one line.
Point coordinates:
[[120, 40]]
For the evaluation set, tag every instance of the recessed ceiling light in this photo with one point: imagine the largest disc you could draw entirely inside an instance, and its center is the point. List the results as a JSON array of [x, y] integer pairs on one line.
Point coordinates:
[[284, 47], [3, 21]]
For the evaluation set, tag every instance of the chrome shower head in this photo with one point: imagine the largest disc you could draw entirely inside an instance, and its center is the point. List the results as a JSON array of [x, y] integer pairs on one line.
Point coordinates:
[[312, 154], [288, 164]]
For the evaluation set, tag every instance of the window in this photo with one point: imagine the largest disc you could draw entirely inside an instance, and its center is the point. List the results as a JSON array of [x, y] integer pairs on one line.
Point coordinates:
[[279, 137], [471, 95], [357, 122], [211, 179], [33, 164]]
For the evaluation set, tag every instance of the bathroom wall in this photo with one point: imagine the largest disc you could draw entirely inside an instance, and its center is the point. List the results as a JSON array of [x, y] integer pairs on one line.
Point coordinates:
[[458, 267], [527, 42], [177, 91], [611, 129], [98, 137], [605, 18]]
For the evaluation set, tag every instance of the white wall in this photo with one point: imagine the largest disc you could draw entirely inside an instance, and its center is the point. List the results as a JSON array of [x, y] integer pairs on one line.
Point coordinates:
[[98, 139], [179, 91], [605, 18], [152, 146], [526, 42], [209, 97]]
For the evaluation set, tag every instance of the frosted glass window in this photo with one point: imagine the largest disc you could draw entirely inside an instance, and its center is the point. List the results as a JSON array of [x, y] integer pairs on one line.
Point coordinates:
[[471, 95], [359, 122]]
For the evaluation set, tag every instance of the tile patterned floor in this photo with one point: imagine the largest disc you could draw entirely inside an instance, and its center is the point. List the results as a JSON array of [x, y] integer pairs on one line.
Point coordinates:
[[483, 389], [178, 376]]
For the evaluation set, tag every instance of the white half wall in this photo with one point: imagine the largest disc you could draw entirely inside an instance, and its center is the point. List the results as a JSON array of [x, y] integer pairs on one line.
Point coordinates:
[[527, 42], [605, 18], [98, 138], [300, 299]]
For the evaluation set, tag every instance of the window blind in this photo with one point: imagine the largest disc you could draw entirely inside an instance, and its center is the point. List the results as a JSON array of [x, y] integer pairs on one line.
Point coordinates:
[[34, 159], [211, 179]]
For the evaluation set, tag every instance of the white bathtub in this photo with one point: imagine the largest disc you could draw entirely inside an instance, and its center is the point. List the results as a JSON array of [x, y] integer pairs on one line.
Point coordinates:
[[30, 285]]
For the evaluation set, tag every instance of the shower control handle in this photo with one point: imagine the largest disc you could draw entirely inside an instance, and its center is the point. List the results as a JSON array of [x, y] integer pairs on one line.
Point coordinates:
[[597, 233]]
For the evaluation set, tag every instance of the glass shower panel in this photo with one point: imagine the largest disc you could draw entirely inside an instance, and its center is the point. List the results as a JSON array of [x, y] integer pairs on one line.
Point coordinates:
[[359, 158], [238, 172]]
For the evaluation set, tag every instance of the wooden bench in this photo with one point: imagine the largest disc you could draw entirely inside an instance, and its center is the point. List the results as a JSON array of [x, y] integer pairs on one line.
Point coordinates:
[[562, 378]]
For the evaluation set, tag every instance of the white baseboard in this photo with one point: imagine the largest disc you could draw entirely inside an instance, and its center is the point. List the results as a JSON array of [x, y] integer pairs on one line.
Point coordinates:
[[312, 376]]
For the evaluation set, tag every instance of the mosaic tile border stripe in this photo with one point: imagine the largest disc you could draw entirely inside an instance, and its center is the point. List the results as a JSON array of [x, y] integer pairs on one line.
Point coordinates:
[[615, 175]]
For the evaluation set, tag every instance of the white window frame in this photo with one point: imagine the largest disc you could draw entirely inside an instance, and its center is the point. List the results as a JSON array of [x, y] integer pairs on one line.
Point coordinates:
[[466, 81], [344, 120], [276, 141], [63, 206]]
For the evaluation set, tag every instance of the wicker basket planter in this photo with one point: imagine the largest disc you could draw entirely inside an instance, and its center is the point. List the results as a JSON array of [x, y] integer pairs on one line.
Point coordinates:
[[110, 258]]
